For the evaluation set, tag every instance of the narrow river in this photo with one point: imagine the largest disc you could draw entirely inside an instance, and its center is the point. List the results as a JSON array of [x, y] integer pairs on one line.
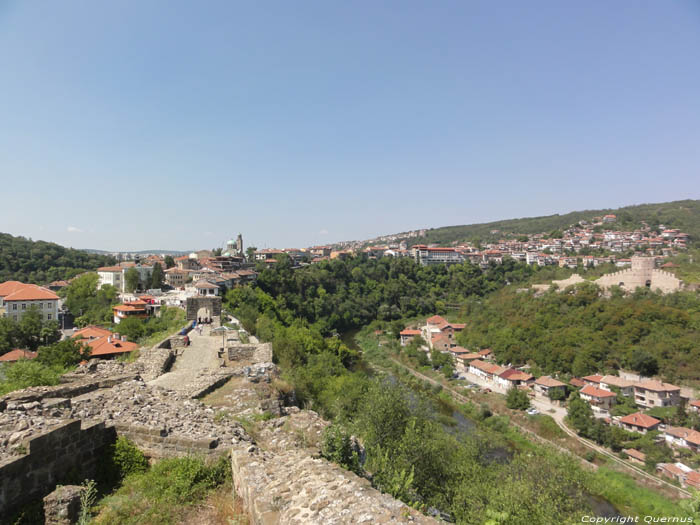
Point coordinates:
[[464, 426]]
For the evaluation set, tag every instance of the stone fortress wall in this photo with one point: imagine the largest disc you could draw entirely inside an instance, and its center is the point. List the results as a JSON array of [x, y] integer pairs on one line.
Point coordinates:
[[642, 274], [51, 435]]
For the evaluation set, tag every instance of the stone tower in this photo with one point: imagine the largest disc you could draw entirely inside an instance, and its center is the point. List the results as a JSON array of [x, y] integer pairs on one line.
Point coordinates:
[[239, 244]]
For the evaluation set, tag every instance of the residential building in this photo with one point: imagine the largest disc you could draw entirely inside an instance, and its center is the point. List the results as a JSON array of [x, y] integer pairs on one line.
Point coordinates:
[[130, 310], [599, 399], [593, 380], [512, 378], [425, 255], [626, 387], [111, 275], [546, 384], [17, 354], [694, 405], [17, 298], [635, 456], [639, 422], [485, 370], [682, 437], [206, 288], [176, 277], [187, 263], [577, 382], [652, 393], [683, 474], [408, 335], [103, 343]]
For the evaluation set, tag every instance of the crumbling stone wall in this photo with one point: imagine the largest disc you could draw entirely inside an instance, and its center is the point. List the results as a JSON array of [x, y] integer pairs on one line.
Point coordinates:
[[68, 452]]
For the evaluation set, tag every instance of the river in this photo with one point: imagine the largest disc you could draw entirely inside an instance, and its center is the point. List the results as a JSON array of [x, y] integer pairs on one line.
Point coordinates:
[[463, 427]]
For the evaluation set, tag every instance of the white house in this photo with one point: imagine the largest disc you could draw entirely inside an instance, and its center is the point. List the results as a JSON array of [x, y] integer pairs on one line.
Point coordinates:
[[16, 298]]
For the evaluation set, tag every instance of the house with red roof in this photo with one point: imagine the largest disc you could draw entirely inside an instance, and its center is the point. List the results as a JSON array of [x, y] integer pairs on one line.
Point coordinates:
[[635, 456], [407, 335], [131, 310], [599, 399], [103, 343], [639, 422], [17, 298], [694, 405], [652, 393], [511, 378], [546, 384], [440, 333], [15, 355], [682, 437]]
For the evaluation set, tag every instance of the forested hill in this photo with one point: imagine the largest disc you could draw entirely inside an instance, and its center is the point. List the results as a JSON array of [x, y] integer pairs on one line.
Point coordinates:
[[684, 215], [41, 262]]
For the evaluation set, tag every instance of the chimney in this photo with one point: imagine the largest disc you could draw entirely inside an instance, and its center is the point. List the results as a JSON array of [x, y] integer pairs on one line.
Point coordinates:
[[116, 335], [123, 338], [109, 339]]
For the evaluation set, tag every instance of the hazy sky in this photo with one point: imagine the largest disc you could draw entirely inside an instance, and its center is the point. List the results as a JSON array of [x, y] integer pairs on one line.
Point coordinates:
[[178, 124]]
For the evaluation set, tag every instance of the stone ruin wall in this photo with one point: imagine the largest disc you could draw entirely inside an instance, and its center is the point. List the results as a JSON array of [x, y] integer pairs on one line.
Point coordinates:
[[68, 452], [280, 479]]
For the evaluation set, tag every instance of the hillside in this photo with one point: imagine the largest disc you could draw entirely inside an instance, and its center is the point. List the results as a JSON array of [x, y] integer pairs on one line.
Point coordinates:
[[684, 215], [42, 262]]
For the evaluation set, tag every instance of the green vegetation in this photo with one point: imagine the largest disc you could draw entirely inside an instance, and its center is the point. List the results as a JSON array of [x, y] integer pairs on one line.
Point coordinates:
[[151, 330], [42, 262], [87, 303], [684, 215], [27, 333], [581, 332], [516, 399], [410, 450], [339, 295], [52, 361], [160, 495], [157, 277]]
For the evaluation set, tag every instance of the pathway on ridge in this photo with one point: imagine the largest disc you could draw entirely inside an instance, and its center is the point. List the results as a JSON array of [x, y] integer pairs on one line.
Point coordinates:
[[200, 355]]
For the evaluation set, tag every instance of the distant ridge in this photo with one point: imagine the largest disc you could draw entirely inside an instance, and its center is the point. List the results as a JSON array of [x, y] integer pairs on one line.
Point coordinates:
[[140, 252], [683, 214]]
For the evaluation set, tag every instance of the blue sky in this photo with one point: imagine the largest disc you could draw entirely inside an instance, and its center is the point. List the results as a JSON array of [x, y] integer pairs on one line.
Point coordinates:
[[176, 124]]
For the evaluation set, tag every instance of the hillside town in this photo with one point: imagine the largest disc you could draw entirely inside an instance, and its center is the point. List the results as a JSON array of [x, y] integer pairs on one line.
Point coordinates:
[[601, 392]]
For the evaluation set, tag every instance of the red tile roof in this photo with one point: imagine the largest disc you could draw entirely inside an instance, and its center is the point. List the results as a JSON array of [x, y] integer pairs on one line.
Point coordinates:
[[16, 291], [436, 319], [640, 420], [409, 331], [657, 386], [690, 435], [102, 346], [593, 379], [548, 381], [592, 391], [575, 381], [17, 354], [634, 453], [90, 332]]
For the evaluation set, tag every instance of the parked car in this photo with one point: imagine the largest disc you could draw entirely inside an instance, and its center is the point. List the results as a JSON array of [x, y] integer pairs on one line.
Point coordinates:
[[533, 411]]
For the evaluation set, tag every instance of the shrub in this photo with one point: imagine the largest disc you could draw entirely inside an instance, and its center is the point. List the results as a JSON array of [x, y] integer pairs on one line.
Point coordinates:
[[122, 459], [338, 448]]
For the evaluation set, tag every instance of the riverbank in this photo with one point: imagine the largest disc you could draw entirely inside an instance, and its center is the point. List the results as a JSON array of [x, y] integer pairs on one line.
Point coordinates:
[[621, 493]]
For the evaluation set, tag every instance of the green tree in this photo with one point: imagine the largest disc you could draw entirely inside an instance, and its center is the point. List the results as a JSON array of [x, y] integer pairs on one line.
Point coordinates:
[[30, 326], [250, 253], [169, 262], [132, 279], [579, 414], [64, 354], [517, 399], [157, 277]]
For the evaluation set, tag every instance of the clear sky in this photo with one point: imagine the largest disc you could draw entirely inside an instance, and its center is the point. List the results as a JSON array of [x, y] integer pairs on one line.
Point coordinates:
[[178, 124]]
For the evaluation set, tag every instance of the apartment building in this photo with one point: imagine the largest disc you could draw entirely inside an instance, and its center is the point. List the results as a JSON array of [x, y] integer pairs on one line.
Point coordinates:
[[17, 298]]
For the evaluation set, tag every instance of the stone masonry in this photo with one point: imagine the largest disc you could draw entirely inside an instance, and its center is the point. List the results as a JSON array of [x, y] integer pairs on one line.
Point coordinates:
[[47, 432]]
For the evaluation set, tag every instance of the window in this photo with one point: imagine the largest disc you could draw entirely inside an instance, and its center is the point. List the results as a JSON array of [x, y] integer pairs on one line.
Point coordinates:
[[48, 317], [41, 306], [14, 307], [24, 306], [14, 317]]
